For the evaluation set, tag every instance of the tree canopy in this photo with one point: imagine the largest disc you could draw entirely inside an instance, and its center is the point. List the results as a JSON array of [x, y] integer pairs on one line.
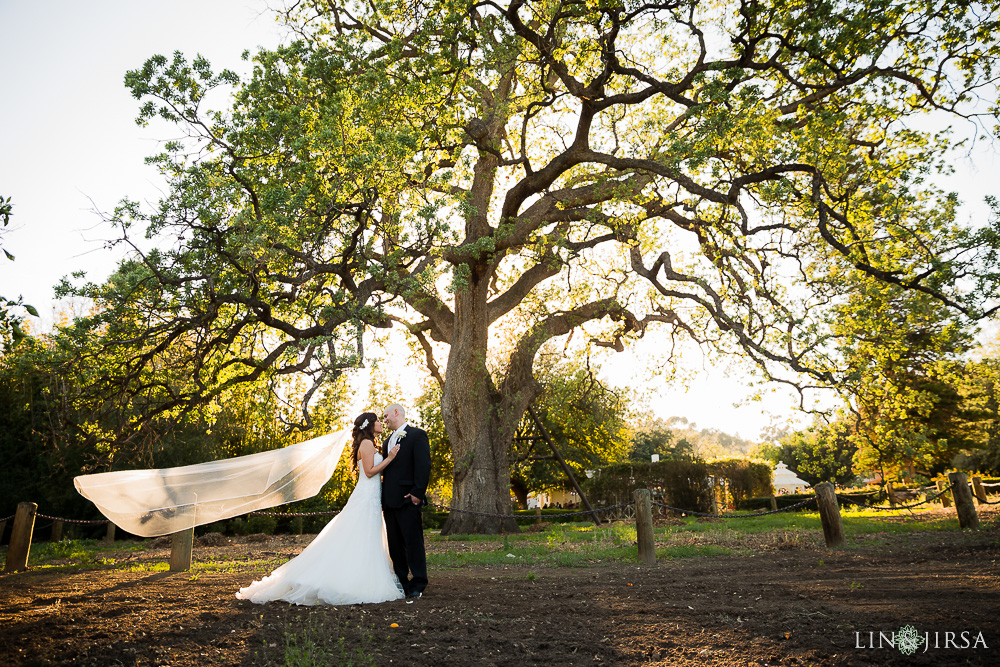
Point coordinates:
[[497, 177], [820, 453], [10, 315]]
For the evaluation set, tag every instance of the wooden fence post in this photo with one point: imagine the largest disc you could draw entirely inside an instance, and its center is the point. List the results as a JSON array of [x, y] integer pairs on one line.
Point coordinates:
[[945, 500], [829, 515], [977, 488], [891, 494], [774, 504], [20, 537], [3, 527], [181, 544], [538, 515], [57, 528], [644, 527], [967, 517], [109, 536]]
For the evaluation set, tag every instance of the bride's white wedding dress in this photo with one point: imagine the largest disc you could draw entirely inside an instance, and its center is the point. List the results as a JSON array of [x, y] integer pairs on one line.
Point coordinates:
[[347, 563]]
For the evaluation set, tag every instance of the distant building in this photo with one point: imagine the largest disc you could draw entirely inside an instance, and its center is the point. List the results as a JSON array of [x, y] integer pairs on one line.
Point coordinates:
[[785, 481]]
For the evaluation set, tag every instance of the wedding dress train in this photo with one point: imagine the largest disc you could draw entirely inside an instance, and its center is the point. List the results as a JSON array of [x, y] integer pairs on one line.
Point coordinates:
[[347, 563]]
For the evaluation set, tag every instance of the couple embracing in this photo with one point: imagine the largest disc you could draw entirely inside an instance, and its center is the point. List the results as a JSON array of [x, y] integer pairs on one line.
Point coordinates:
[[373, 550]]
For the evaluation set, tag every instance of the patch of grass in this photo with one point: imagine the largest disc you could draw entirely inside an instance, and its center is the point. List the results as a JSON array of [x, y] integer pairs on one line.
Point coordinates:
[[261, 565], [161, 566], [866, 522], [79, 552], [567, 529], [313, 645]]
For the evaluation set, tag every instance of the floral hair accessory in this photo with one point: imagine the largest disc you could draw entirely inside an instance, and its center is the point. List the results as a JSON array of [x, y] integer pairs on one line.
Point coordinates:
[[363, 424]]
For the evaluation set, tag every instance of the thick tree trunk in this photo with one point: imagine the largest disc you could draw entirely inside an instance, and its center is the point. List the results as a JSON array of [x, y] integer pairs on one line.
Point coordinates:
[[481, 437], [480, 423], [481, 491]]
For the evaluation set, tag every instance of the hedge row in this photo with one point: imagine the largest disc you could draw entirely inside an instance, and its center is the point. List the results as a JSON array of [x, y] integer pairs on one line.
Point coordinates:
[[685, 483]]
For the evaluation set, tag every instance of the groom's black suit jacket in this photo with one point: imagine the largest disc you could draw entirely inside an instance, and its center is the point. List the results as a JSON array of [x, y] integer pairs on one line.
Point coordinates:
[[409, 472]]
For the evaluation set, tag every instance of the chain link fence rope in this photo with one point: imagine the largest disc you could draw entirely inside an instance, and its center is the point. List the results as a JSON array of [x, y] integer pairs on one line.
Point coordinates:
[[900, 507], [678, 510], [76, 521], [329, 513], [599, 510]]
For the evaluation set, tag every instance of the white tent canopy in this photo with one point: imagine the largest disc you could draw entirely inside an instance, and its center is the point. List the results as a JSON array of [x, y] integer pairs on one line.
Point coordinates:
[[785, 481]]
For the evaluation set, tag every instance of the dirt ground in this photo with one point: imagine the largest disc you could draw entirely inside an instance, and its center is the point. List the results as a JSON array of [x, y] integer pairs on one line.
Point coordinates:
[[791, 604]]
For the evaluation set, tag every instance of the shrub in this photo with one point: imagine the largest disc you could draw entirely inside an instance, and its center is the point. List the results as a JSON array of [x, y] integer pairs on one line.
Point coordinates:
[[434, 520], [237, 526], [676, 482], [743, 478], [261, 524], [217, 527]]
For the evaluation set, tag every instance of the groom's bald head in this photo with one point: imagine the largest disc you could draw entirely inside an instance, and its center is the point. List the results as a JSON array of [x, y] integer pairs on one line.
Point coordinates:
[[395, 416]]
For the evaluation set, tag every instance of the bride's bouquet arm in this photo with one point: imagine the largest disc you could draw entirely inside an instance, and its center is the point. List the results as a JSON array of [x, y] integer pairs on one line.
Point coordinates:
[[368, 458]]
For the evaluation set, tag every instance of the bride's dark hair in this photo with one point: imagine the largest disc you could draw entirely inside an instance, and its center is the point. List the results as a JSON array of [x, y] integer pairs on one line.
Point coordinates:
[[362, 431]]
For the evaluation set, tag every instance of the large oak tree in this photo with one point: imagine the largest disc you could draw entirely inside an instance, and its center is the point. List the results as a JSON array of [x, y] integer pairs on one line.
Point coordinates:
[[497, 176]]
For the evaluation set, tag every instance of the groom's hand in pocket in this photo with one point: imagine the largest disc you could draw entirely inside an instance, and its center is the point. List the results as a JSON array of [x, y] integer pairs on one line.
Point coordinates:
[[413, 499]]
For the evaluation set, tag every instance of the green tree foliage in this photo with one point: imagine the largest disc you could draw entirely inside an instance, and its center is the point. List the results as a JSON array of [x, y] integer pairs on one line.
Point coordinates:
[[44, 446], [442, 465], [537, 168], [898, 346], [821, 453], [10, 310], [978, 428], [656, 437], [589, 423], [39, 460]]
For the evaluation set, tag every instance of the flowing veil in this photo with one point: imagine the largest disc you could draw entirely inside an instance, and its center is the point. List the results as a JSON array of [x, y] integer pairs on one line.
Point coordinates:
[[149, 503]]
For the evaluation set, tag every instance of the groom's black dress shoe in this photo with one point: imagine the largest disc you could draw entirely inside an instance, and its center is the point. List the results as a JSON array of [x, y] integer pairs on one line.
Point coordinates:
[[413, 595]]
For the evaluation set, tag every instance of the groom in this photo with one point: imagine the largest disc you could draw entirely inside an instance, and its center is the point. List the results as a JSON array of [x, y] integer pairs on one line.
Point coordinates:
[[404, 486]]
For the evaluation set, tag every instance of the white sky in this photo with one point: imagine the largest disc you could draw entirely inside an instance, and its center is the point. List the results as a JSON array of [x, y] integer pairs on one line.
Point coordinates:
[[69, 144]]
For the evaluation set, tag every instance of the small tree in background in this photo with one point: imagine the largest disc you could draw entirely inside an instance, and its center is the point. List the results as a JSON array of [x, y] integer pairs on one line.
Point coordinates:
[[656, 437], [820, 453]]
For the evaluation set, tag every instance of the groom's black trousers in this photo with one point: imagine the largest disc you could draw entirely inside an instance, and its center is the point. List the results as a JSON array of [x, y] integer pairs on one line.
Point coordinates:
[[404, 532]]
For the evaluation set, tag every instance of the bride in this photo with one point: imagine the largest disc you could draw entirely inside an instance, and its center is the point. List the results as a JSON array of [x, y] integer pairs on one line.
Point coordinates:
[[348, 562]]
